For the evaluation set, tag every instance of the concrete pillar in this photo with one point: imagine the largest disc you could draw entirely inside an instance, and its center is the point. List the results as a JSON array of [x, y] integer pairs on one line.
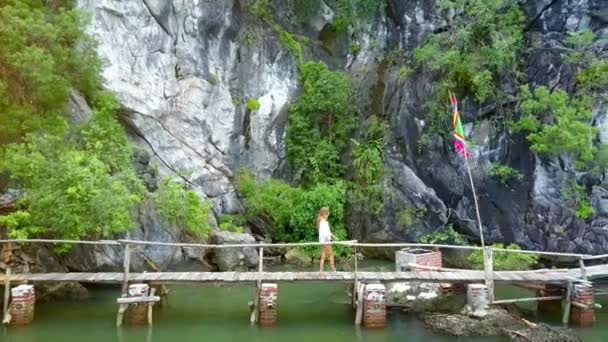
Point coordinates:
[[137, 314], [583, 294], [374, 306], [268, 302], [550, 306], [23, 300], [477, 299]]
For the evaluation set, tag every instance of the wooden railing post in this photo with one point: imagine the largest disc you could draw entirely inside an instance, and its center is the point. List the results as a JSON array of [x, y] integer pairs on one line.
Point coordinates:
[[489, 272], [567, 303], [126, 267], [581, 263], [7, 293], [256, 301]]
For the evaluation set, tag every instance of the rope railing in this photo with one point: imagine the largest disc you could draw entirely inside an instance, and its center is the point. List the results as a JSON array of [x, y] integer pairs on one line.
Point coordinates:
[[351, 243]]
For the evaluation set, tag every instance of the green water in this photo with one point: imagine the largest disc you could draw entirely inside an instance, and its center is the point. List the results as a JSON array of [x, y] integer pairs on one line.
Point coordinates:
[[311, 312]]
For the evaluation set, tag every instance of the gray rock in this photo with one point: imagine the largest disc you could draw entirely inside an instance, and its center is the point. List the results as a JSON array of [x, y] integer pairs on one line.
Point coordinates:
[[230, 259], [297, 256]]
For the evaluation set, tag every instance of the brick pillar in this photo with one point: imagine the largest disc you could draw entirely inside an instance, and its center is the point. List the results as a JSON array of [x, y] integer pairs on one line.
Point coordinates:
[[23, 300], [268, 301], [583, 317], [477, 299], [550, 306], [374, 306], [137, 314]]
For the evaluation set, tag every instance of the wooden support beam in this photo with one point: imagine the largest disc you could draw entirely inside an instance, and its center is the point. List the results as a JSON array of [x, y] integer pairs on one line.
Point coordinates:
[[6, 319], [582, 306], [121, 313], [567, 302], [489, 272], [521, 300], [356, 282], [126, 266], [150, 305], [253, 318], [359, 309], [133, 300]]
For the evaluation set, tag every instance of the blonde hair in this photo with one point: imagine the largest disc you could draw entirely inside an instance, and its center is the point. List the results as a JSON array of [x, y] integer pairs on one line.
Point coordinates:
[[323, 214]]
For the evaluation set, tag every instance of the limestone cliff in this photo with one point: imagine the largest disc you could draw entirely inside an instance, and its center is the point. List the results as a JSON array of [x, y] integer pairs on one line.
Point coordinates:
[[184, 70]]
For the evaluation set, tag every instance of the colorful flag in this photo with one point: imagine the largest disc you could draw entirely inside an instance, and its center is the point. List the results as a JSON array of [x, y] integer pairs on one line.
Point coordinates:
[[460, 144]]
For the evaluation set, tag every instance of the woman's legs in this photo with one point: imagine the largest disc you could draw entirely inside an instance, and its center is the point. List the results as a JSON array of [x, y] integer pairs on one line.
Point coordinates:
[[321, 266], [327, 252], [330, 251]]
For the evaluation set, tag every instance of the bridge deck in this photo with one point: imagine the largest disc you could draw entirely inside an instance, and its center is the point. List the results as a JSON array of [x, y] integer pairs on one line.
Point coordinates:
[[539, 276]]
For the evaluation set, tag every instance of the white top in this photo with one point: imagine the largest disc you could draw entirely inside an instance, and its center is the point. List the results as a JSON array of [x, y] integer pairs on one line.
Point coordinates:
[[324, 232]]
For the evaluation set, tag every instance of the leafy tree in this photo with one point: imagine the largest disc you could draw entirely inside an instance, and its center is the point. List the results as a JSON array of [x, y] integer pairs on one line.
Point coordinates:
[[182, 208], [555, 123], [320, 122], [290, 211], [368, 166], [69, 193], [505, 173], [45, 53]]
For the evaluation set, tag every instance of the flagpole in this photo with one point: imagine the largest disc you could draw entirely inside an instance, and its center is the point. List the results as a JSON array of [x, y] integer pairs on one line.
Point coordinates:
[[466, 159]]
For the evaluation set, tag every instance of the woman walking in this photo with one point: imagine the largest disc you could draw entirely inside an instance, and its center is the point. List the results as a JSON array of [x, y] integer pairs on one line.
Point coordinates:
[[324, 238]]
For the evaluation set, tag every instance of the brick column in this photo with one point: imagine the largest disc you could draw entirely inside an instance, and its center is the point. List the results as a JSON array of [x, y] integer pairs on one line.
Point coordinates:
[[550, 306], [268, 301], [477, 300], [583, 317], [23, 300], [374, 306], [137, 314]]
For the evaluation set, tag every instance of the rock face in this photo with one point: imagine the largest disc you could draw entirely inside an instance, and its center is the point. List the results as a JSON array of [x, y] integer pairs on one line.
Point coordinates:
[[143, 258], [184, 70], [230, 259]]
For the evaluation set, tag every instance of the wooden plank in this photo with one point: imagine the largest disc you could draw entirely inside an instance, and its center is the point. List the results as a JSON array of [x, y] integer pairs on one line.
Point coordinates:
[[7, 295], [567, 302], [489, 272], [132, 300], [210, 277], [521, 300]]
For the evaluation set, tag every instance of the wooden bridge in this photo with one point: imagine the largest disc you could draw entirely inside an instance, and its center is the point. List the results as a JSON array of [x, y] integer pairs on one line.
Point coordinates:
[[416, 272]]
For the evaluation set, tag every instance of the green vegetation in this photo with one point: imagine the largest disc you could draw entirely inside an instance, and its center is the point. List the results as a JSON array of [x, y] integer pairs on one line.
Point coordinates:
[[480, 49], [320, 122], [78, 180], [182, 208], [409, 216], [355, 48], [232, 223], [555, 123], [576, 197], [253, 104], [404, 73], [355, 13], [505, 174], [292, 211], [45, 53], [446, 235], [505, 260], [368, 169], [76, 184]]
